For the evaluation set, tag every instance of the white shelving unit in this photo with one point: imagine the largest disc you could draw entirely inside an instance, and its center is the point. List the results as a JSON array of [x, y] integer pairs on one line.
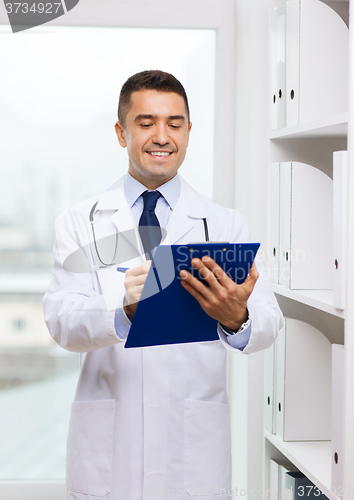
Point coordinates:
[[319, 299], [333, 126], [314, 143], [312, 458]]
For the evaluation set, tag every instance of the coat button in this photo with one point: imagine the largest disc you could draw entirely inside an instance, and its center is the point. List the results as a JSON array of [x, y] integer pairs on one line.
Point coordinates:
[[111, 331]]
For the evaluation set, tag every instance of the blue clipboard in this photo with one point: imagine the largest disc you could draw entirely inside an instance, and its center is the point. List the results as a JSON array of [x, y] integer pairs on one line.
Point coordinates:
[[166, 312]]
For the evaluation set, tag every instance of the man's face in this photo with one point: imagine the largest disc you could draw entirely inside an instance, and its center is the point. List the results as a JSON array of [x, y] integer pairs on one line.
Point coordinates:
[[156, 134]]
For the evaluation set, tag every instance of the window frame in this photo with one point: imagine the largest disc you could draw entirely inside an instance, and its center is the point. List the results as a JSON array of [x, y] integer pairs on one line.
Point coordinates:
[[218, 15]]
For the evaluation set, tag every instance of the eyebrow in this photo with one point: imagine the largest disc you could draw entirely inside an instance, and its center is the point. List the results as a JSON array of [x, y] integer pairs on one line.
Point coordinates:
[[151, 117]]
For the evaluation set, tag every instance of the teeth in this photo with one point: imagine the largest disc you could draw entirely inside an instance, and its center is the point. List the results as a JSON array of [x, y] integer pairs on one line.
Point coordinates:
[[158, 153]]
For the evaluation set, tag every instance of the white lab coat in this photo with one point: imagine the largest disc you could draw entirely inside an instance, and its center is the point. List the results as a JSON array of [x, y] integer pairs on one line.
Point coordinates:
[[146, 422]]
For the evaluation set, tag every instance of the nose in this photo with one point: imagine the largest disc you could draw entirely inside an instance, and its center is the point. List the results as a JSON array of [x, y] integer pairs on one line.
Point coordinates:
[[160, 136]]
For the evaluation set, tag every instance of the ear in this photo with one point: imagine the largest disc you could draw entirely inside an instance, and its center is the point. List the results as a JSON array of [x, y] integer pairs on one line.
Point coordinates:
[[189, 131], [120, 134]]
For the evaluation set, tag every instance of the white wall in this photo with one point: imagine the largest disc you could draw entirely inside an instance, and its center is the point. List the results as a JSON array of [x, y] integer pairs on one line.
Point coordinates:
[[251, 163]]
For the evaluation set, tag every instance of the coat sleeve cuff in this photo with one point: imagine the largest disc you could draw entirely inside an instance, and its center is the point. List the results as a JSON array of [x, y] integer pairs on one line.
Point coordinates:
[[122, 323], [238, 340]]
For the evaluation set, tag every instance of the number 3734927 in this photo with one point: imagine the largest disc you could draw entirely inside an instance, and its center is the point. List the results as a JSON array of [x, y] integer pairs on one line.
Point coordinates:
[[35, 8]]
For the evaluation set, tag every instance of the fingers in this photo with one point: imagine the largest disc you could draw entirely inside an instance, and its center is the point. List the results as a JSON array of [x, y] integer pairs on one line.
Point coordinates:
[[252, 277], [139, 270], [254, 274], [191, 288], [212, 273], [134, 282], [133, 295], [223, 300], [136, 276], [217, 279], [191, 283]]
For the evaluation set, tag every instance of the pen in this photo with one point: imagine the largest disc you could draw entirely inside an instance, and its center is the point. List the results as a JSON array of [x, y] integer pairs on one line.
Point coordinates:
[[122, 269]]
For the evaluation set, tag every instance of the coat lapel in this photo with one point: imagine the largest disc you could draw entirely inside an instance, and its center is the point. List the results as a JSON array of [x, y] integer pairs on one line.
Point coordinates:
[[116, 216], [185, 223], [114, 200]]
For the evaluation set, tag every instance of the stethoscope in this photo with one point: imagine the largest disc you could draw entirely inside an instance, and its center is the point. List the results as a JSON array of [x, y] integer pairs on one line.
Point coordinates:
[[104, 264]]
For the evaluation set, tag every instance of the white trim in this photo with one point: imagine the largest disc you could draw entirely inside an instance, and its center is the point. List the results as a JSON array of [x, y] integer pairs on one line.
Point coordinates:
[[197, 14], [348, 429], [32, 490]]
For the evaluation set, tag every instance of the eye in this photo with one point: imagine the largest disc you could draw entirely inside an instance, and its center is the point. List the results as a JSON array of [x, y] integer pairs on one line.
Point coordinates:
[[175, 127], [145, 125]]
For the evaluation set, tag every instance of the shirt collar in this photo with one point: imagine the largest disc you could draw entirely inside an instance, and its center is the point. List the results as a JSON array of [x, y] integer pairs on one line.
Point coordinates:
[[170, 190]]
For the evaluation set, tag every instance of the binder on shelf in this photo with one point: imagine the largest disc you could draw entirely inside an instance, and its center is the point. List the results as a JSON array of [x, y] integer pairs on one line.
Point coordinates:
[[277, 471], [275, 222], [303, 383], [281, 55], [273, 69], [279, 385], [340, 180], [269, 389], [306, 231], [292, 62], [298, 486], [316, 64], [278, 54], [285, 208], [273, 480], [337, 417], [283, 470]]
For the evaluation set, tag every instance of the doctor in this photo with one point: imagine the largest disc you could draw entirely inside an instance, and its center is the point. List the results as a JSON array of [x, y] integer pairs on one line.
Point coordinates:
[[150, 422]]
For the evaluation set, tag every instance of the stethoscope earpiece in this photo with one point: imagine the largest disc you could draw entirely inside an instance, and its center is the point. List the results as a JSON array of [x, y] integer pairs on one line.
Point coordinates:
[[92, 212]]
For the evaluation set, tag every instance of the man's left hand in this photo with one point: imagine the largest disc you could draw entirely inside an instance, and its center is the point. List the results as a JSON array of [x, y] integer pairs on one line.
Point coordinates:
[[223, 299]]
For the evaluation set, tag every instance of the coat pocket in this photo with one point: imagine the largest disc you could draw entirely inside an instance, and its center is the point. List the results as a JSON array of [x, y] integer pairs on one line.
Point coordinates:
[[207, 448], [90, 447]]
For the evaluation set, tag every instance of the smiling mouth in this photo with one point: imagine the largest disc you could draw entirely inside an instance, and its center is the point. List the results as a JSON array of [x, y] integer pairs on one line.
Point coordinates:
[[159, 153]]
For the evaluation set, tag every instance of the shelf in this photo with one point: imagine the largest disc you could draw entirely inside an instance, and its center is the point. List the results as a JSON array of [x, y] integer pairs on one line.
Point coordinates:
[[334, 126], [312, 458], [319, 299]]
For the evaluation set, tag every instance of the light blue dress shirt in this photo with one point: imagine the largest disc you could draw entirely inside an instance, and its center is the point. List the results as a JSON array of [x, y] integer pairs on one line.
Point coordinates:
[[170, 191]]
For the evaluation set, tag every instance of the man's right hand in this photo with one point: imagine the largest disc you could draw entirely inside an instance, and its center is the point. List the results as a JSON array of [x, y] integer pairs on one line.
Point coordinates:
[[134, 283]]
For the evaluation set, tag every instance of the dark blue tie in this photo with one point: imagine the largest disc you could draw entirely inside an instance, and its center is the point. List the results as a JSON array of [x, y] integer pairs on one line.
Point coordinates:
[[149, 226]]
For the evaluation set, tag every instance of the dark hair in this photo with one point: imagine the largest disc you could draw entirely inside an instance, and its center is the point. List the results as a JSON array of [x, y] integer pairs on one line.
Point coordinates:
[[148, 80]]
